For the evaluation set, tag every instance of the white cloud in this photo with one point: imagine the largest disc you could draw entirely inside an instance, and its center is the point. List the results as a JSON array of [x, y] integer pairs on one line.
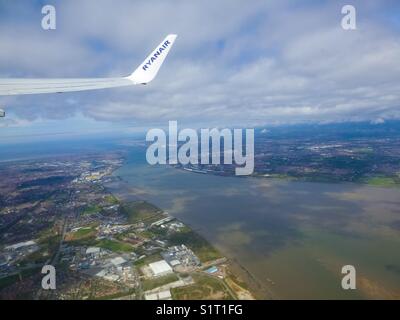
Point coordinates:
[[234, 63]]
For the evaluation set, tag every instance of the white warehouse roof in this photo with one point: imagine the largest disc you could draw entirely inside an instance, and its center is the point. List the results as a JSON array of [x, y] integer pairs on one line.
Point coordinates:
[[92, 250], [117, 261], [20, 245], [160, 267]]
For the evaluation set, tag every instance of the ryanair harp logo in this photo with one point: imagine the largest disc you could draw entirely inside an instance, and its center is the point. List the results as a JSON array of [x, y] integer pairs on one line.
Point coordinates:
[[156, 55]]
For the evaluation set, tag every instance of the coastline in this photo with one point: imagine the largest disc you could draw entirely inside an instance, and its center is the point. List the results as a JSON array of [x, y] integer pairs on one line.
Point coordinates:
[[243, 278], [162, 192], [375, 182]]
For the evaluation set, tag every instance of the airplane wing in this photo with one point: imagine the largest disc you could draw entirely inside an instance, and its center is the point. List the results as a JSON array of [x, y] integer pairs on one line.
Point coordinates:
[[145, 73]]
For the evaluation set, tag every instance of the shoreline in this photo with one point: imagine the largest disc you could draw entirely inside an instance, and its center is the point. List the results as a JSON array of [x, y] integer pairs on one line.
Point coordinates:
[[297, 179], [252, 285]]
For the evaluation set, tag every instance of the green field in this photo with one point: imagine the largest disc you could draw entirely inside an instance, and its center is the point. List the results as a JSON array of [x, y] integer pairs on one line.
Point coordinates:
[[118, 295], [141, 211], [383, 182], [205, 287], [158, 282], [115, 246], [110, 199], [149, 259], [154, 232], [91, 210], [81, 234]]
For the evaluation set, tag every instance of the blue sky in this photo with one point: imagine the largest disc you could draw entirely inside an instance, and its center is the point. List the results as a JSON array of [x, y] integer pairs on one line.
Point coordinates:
[[235, 63]]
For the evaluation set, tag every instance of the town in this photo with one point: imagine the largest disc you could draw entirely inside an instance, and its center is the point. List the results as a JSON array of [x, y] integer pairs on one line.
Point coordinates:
[[58, 211], [361, 153]]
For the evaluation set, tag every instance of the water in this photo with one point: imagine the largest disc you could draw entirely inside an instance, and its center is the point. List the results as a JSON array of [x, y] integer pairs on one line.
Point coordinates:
[[292, 237], [36, 150]]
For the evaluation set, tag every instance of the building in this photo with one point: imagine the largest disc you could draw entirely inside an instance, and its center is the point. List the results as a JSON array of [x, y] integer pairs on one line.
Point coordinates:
[[93, 251], [117, 261], [162, 221], [19, 245], [181, 256], [174, 263], [162, 295], [212, 270], [160, 268]]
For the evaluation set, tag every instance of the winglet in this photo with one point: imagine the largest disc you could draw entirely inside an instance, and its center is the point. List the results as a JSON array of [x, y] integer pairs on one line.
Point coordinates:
[[150, 66]]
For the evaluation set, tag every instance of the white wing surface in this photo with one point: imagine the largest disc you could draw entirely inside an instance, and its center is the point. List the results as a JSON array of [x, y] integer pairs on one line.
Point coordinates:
[[145, 73]]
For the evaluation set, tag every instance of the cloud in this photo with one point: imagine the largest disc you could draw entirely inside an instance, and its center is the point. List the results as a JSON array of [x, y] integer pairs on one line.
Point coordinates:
[[233, 63]]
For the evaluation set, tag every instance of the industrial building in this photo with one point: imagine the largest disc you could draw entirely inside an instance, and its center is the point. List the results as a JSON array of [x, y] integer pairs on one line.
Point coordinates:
[[160, 268], [161, 295]]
